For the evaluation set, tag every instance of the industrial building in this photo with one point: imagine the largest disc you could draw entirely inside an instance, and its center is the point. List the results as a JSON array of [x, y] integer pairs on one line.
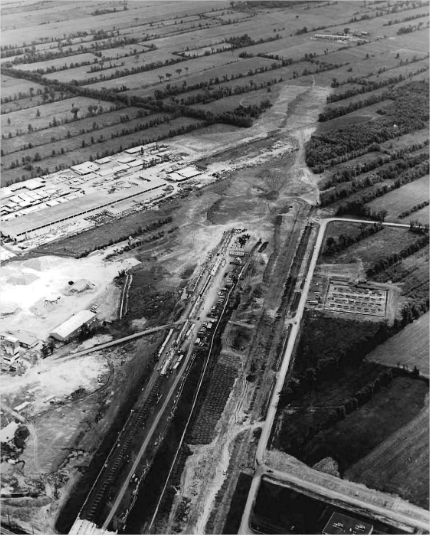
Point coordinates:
[[73, 325]]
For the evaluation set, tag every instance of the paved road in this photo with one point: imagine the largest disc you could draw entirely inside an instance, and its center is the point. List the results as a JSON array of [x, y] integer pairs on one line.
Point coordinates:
[[271, 413]]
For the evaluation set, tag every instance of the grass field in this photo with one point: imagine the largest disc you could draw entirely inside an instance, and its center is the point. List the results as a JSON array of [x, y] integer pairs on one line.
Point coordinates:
[[360, 432], [410, 347], [399, 465], [59, 110], [10, 86], [79, 154], [374, 247], [404, 198]]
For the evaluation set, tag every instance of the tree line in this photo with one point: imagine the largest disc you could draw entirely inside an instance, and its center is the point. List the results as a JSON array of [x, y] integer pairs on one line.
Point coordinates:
[[408, 112], [387, 173], [332, 113], [141, 230], [413, 209], [345, 175], [35, 56], [411, 28], [333, 245], [357, 206], [389, 260], [396, 8], [406, 19], [371, 85]]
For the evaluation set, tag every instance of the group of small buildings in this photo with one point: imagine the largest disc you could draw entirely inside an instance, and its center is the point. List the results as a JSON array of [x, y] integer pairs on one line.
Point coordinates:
[[344, 37], [15, 345], [65, 201], [18, 344]]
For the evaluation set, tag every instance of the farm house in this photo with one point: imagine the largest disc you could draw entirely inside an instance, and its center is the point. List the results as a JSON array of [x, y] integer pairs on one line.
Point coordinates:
[[73, 325]]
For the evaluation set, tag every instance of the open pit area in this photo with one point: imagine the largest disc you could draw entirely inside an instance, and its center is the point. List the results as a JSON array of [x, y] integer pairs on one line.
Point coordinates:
[[214, 266]]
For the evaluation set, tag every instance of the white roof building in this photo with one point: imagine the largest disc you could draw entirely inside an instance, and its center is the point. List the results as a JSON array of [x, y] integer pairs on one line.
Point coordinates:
[[72, 326], [189, 172], [85, 168], [33, 183], [134, 149]]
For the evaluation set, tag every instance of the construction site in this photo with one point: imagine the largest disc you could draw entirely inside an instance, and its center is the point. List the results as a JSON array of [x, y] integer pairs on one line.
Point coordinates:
[[180, 352]]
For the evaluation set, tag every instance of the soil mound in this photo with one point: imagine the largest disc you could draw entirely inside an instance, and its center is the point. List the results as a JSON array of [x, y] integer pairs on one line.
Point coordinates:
[[43, 307], [34, 263], [78, 287], [8, 308], [23, 279], [328, 466]]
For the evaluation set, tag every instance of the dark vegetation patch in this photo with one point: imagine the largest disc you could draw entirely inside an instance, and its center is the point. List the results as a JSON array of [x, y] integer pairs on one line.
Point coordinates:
[[237, 504], [361, 431], [330, 382], [103, 235], [408, 112], [153, 483], [282, 510], [145, 297]]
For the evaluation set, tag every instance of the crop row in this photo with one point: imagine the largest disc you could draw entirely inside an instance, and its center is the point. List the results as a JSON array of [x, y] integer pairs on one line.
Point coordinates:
[[221, 384]]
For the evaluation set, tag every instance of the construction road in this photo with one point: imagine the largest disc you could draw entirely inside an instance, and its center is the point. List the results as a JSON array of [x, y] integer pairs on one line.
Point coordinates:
[[416, 520], [210, 280]]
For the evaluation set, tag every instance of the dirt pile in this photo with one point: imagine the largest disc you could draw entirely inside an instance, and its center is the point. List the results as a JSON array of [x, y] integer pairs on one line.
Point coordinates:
[[7, 309], [78, 287], [44, 306], [328, 466], [22, 280]]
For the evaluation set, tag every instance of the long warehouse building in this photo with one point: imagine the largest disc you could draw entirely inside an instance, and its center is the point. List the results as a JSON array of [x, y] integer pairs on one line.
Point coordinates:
[[20, 228]]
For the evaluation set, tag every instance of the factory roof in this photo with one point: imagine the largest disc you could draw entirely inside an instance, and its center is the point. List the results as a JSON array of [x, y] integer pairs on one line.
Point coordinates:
[[85, 168], [133, 150], [73, 324], [5, 193], [77, 206], [189, 172], [34, 183]]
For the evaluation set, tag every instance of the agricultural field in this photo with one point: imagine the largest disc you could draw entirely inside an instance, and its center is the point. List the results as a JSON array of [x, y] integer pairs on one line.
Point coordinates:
[[371, 249], [221, 385], [127, 52], [407, 348], [240, 90], [400, 464], [398, 201]]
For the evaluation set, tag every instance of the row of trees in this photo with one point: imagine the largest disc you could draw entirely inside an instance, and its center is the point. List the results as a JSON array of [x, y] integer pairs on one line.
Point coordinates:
[[35, 56], [367, 85], [333, 245], [411, 28], [387, 173], [406, 19], [357, 206], [408, 112], [332, 113], [396, 8], [384, 263], [141, 230], [414, 208], [347, 174]]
